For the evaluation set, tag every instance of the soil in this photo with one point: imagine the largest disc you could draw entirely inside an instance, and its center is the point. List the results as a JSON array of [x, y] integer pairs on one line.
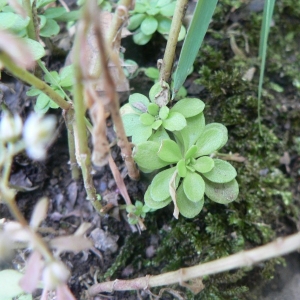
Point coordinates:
[[120, 251]]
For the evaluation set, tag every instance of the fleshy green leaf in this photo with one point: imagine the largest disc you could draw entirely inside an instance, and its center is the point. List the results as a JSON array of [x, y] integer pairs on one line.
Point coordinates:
[[42, 101], [161, 3], [155, 125], [160, 185], [149, 25], [10, 287], [141, 39], [42, 3], [193, 186], [189, 107], [69, 16], [152, 73], [175, 121], [221, 128], [7, 19], [147, 119], [158, 91], [222, 193], [204, 164], [189, 134], [153, 109], [210, 140], [135, 21], [181, 168], [139, 102], [131, 121], [155, 204], [168, 10], [164, 112], [145, 155], [169, 151], [54, 12], [67, 76], [164, 25], [182, 34], [51, 28], [187, 208], [222, 172], [159, 135], [141, 134], [191, 152], [36, 49]]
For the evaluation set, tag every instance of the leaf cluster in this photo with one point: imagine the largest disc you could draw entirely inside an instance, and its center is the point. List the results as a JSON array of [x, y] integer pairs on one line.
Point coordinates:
[[177, 142], [136, 211], [60, 82], [150, 16]]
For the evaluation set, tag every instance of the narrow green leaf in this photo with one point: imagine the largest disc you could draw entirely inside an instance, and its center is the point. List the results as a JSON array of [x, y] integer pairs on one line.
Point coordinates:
[[187, 208], [222, 193], [263, 46], [155, 204], [42, 3], [169, 151], [204, 164], [196, 32], [135, 21], [159, 188], [149, 25], [222, 172], [145, 155], [175, 121], [193, 186], [189, 107]]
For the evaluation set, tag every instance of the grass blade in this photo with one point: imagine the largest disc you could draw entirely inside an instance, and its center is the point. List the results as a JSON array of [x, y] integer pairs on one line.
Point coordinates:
[[196, 32], [265, 28]]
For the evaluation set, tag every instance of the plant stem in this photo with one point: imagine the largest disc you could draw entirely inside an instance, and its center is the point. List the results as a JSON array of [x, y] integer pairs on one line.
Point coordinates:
[[33, 80], [279, 247], [31, 31], [166, 68], [80, 109]]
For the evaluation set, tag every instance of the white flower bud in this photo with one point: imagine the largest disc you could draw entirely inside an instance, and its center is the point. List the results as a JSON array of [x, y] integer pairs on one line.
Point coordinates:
[[10, 127], [54, 275], [37, 133]]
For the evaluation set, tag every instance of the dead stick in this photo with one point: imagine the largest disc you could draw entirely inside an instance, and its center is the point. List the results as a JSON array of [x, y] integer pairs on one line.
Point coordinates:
[[112, 95], [279, 247]]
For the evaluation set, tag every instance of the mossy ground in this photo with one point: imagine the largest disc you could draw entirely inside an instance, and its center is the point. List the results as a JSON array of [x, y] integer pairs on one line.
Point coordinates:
[[267, 198]]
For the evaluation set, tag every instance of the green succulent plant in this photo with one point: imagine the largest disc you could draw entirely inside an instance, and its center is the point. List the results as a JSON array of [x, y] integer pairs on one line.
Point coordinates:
[[189, 171], [145, 120], [150, 16], [136, 211]]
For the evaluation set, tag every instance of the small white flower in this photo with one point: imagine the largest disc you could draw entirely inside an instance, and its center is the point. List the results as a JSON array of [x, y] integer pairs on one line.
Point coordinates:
[[10, 127], [37, 133], [54, 275]]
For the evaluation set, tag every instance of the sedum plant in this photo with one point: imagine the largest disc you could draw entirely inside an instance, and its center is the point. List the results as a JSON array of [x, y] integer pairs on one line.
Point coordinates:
[[187, 167], [150, 16], [146, 120]]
